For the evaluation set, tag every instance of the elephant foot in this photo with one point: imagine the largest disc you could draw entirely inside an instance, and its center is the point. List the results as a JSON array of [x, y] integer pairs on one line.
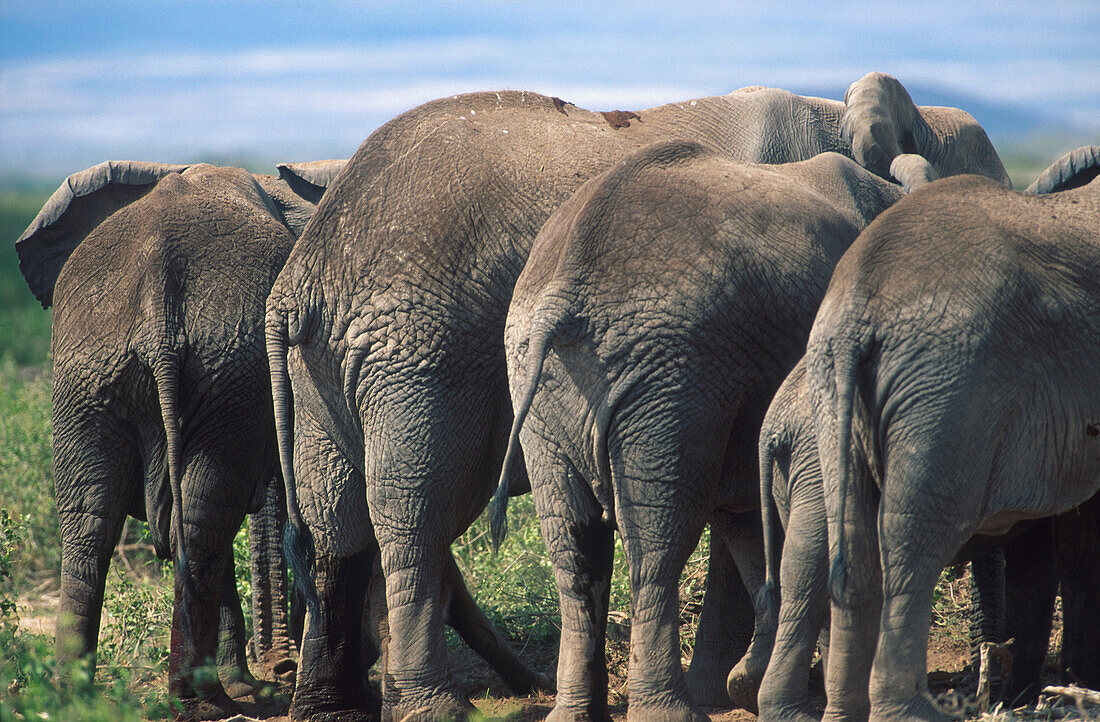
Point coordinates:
[[340, 715], [665, 713], [309, 708], [801, 711], [444, 706], [561, 713], [743, 684], [918, 707], [217, 705], [707, 688], [240, 683], [282, 668]]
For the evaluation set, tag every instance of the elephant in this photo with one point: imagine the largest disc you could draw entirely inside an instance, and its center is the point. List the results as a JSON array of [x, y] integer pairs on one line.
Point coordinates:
[[660, 307], [384, 333], [791, 489], [161, 406], [958, 338]]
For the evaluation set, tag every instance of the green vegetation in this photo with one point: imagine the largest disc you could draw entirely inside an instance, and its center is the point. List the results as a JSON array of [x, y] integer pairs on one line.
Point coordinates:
[[24, 326]]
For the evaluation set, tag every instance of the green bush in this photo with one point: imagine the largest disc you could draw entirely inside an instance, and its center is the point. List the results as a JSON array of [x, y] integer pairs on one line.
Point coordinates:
[[34, 684], [26, 470]]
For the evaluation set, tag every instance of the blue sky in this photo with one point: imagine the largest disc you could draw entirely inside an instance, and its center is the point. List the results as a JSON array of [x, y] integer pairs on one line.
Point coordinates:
[[82, 82]]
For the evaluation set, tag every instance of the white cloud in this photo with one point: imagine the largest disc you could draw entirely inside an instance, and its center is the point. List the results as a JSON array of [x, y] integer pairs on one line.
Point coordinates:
[[287, 100]]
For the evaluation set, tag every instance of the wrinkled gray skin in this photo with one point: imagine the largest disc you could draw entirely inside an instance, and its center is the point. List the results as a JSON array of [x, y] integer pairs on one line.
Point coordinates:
[[958, 338], [791, 484], [660, 308], [161, 403], [393, 305]]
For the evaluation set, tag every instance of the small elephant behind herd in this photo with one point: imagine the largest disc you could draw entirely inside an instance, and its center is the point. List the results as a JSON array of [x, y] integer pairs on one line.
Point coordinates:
[[745, 311]]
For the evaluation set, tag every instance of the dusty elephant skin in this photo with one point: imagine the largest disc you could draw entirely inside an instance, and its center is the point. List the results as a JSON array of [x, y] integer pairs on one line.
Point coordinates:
[[959, 337], [161, 403], [393, 305], [791, 485], [661, 306]]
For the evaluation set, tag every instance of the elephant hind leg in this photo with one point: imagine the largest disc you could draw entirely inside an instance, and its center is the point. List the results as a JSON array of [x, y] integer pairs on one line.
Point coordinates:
[[216, 493], [232, 658], [1031, 584], [744, 537], [657, 540], [784, 691], [97, 471], [916, 543], [417, 675], [331, 677], [724, 631]]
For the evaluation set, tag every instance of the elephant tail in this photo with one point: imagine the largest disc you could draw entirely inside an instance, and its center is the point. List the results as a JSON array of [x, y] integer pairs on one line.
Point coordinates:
[[297, 542], [539, 344], [844, 382], [768, 599], [166, 374]]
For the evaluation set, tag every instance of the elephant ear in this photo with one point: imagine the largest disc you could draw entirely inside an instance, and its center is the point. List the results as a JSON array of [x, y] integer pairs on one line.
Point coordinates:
[[1073, 170], [298, 189], [82, 202], [912, 171], [309, 180]]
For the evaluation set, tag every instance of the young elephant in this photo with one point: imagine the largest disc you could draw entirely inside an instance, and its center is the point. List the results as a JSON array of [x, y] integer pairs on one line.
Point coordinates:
[[791, 484], [161, 403], [958, 338], [392, 307], [661, 307]]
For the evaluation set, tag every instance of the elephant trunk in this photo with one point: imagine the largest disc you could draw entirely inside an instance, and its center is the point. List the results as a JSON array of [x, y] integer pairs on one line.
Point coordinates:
[[297, 543], [987, 602], [272, 638], [912, 171], [539, 341], [166, 375]]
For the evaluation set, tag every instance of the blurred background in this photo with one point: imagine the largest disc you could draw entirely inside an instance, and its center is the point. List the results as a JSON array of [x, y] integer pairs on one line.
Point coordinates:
[[255, 83]]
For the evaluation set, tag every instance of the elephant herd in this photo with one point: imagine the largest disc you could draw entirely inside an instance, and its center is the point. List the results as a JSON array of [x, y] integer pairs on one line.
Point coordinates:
[[744, 311]]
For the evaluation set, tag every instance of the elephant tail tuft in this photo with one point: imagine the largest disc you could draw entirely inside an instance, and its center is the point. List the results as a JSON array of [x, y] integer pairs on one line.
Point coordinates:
[[297, 541]]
